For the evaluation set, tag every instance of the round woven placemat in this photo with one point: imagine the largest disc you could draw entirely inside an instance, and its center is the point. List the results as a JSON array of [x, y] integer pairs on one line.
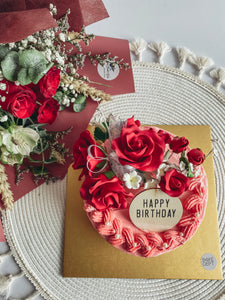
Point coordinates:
[[34, 229]]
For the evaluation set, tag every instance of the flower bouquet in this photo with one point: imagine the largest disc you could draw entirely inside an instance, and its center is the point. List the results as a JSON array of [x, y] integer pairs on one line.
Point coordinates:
[[39, 78]]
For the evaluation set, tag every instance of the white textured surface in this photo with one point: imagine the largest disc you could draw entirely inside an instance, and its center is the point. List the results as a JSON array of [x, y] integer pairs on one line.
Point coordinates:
[[34, 228], [197, 25]]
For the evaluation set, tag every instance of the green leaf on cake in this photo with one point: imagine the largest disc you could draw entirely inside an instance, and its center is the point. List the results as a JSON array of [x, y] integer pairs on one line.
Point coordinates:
[[187, 165], [109, 174], [100, 135], [190, 174], [101, 164], [10, 66]]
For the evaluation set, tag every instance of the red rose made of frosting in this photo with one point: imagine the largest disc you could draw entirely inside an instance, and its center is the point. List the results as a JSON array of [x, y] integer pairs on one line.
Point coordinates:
[[80, 149], [179, 144], [19, 100], [196, 156], [49, 83], [81, 157], [167, 137], [142, 149], [102, 192], [174, 183], [47, 112]]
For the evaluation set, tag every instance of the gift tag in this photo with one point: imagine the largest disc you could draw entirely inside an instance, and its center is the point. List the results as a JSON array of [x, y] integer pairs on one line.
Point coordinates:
[[154, 210]]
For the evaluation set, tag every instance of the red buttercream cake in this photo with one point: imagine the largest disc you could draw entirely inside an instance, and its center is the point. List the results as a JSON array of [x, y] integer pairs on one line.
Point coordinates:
[[144, 190]]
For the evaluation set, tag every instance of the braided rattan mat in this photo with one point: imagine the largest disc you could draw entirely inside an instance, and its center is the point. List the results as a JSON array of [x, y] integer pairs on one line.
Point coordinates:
[[34, 229]]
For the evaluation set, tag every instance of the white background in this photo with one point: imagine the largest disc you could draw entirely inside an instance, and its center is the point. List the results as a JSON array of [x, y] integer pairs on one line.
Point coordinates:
[[196, 24]]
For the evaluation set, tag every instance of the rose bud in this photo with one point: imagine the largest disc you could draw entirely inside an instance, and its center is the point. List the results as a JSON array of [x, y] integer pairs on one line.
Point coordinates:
[[196, 156], [174, 183], [179, 144], [165, 135]]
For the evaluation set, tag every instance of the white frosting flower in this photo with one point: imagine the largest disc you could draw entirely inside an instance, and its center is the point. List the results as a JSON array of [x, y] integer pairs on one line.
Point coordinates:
[[197, 172], [132, 180], [182, 166], [20, 141], [150, 184], [161, 171]]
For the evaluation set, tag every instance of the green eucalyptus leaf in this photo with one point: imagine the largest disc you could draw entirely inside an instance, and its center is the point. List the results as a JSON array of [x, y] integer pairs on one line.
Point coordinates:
[[80, 99], [58, 96], [4, 49], [77, 107], [10, 66], [23, 77], [31, 58], [38, 71], [62, 107], [109, 174], [48, 67]]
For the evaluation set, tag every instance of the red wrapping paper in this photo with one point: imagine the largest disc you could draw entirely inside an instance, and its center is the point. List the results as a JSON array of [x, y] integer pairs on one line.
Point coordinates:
[[16, 17], [16, 26]]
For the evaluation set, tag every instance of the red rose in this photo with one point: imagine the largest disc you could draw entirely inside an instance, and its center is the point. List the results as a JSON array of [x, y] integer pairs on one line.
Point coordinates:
[[102, 192], [81, 157], [80, 149], [179, 144], [167, 137], [196, 156], [47, 112], [174, 183], [130, 122], [141, 149], [50, 82], [20, 101]]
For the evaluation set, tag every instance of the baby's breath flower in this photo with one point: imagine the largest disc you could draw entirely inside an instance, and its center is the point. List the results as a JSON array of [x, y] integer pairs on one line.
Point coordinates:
[[4, 118], [62, 37], [48, 42], [11, 45], [3, 87], [24, 43]]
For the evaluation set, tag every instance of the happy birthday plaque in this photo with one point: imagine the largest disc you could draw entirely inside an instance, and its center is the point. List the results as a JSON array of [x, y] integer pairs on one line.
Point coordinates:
[[154, 210]]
